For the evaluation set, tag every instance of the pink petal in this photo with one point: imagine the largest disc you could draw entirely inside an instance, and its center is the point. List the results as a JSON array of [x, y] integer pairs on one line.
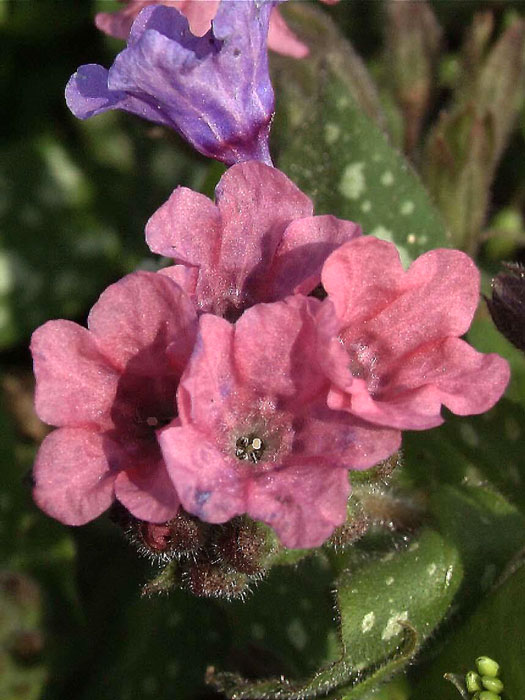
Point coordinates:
[[186, 228], [139, 316], [342, 439], [185, 277], [282, 40], [304, 503], [451, 373], [276, 350], [440, 296], [463, 379], [435, 298], [147, 492], [257, 203], [199, 14], [118, 24], [76, 383], [207, 388], [73, 480], [209, 485], [361, 278], [305, 246]]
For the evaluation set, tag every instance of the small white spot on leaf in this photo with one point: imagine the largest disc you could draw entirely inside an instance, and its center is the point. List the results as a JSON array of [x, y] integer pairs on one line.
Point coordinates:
[[331, 133], [387, 178], [353, 183], [392, 626], [297, 634], [368, 622]]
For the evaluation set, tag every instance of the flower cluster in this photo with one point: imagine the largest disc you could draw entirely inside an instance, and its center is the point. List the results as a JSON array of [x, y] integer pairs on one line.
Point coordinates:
[[220, 383]]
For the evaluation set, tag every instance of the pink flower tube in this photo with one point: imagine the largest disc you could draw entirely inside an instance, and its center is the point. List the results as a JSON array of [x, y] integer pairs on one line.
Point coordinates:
[[108, 390], [254, 433], [400, 334]]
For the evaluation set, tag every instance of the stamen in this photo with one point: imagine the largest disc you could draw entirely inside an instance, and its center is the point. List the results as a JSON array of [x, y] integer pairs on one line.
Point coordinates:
[[249, 448]]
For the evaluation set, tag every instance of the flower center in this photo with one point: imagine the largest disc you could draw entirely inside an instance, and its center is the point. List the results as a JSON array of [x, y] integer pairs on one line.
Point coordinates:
[[249, 448]]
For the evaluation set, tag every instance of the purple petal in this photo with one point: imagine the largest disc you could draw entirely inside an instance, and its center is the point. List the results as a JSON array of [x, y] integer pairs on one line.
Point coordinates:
[[214, 90]]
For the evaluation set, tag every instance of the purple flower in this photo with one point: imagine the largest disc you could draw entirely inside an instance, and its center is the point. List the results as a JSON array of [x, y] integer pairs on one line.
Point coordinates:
[[214, 90]]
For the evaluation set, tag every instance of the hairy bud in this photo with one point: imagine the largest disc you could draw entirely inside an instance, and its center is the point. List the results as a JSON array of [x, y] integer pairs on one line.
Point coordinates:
[[507, 306]]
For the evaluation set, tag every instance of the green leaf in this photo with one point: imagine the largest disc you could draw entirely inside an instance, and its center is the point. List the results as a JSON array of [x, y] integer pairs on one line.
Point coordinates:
[[288, 619], [495, 630], [385, 614], [475, 449], [486, 530], [331, 147]]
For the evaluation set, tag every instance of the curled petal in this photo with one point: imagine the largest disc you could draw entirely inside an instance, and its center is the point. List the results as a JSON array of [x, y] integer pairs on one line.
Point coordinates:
[[305, 246], [304, 503], [139, 316], [74, 482], [186, 228], [208, 485], [147, 492], [282, 40], [76, 382]]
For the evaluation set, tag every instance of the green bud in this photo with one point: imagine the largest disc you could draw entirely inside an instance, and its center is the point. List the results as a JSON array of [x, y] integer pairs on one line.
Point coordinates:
[[473, 681], [487, 667], [488, 695], [492, 684]]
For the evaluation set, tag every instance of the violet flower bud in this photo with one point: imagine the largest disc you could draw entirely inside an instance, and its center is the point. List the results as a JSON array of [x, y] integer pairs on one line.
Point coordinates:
[[507, 306], [214, 90]]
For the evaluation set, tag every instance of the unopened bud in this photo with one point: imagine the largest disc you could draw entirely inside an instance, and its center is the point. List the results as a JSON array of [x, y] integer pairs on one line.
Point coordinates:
[[209, 580], [487, 667], [507, 306], [492, 684], [184, 535], [488, 695], [245, 546], [473, 681], [413, 39], [350, 531]]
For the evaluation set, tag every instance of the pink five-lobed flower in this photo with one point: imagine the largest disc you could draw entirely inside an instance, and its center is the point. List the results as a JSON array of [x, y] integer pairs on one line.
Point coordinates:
[[108, 390], [199, 14], [254, 433], [399, 331], [259, 242]]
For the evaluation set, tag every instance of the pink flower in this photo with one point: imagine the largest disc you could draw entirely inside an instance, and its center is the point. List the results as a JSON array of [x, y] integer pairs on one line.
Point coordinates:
[[108, 389], [399, 332], [254, 433], [258, 243], [200, 14]]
